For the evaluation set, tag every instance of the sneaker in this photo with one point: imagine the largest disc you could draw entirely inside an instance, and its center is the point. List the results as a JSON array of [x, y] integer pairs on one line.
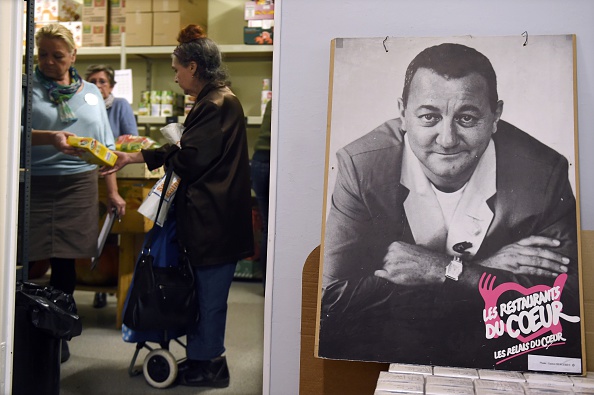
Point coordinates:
[[213, 373]]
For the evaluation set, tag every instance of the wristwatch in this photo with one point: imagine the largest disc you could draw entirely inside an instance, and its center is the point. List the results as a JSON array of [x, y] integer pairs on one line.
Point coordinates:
[[454, 269]]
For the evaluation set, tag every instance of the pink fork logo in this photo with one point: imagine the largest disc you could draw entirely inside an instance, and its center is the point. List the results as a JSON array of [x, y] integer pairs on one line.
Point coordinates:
[[536, 312]]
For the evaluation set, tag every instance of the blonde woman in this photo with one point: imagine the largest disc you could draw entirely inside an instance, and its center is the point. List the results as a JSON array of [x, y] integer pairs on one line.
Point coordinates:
[[64, 205]]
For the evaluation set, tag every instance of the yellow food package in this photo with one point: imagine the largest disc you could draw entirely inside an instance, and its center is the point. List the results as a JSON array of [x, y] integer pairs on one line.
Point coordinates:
[[96, 153]]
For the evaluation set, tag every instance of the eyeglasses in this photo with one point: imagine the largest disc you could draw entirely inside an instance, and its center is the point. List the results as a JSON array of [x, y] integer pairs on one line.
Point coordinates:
[[99, 81]]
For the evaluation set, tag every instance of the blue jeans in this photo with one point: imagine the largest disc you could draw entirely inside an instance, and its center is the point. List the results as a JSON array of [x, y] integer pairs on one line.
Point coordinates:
[[206, 337], [260, 168]]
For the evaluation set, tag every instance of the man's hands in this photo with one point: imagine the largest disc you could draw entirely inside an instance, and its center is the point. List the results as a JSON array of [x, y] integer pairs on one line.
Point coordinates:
[[534, 255], [408, 264], [124, 158]]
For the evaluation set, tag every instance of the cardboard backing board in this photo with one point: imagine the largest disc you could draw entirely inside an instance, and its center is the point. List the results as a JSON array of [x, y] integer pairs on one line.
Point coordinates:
[[452, 172]]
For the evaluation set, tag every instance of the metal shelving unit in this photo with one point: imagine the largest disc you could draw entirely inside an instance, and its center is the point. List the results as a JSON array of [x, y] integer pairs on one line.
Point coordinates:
[[230, 52], [150, 120], [25, 165]]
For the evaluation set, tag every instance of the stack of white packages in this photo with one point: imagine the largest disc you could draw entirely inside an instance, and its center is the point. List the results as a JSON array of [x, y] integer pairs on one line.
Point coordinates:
[[537, 383], [389, 383], [496, 382], [583, 385], [402, 379], [447, 381]]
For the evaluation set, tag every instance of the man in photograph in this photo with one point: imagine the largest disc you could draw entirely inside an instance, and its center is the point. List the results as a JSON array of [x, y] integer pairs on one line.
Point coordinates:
[[427, 203]]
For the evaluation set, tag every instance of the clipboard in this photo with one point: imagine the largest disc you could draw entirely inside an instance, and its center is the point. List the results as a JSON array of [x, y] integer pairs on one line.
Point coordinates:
[[105, 230]]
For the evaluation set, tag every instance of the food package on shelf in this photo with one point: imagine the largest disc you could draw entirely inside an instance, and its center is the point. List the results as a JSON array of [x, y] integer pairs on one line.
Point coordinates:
[[130, 143]]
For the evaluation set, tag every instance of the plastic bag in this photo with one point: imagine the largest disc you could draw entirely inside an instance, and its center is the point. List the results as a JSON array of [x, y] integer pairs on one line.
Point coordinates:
[[149, 207], [50, 310], [172, 133]]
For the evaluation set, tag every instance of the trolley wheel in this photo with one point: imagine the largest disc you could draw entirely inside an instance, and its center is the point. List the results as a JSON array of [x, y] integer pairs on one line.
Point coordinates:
[[160, 368]]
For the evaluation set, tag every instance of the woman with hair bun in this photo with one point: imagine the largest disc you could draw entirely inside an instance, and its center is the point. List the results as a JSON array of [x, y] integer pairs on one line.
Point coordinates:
[[213, 200]]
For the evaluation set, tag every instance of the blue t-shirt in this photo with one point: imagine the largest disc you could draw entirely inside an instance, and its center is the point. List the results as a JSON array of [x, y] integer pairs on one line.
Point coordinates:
[[121, 118], [88, 106]]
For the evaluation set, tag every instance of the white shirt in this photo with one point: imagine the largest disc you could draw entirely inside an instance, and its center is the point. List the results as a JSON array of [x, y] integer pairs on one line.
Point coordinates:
[[448, 202]]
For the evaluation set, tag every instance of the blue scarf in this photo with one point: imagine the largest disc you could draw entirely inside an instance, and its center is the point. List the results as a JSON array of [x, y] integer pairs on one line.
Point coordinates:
[[60, 94]]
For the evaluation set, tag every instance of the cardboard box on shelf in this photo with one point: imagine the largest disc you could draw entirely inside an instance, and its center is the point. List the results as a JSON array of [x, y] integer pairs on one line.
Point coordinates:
[[117, 26], [263, 23], [94, 34], [95, 11], [253, 10], [76, 28], [139, 6], [117, 8], [58, 10], [197, 7], [257, 36], [165, 5], [139, 28], [166, 25]]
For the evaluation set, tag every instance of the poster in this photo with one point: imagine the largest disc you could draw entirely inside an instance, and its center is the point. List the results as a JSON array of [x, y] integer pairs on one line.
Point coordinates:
[[451, 223]]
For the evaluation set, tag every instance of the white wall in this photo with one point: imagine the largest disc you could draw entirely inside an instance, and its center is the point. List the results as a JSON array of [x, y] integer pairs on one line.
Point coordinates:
[[10, 86], [305, 28]]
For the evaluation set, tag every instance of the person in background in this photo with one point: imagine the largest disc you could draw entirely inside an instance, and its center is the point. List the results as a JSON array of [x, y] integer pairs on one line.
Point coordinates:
[[119, 112], [121, 119], [64, 214], [260, 168], [213, 200]]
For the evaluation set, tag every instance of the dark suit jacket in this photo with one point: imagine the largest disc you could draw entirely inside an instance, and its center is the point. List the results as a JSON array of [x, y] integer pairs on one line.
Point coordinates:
[[365, 317]]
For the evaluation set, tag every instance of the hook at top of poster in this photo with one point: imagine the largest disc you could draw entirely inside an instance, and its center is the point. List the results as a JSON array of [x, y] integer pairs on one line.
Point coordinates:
[[384, 42], [525, 35]]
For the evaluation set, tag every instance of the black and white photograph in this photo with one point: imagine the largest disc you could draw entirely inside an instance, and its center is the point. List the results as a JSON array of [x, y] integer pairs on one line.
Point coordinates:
[[451, 225]]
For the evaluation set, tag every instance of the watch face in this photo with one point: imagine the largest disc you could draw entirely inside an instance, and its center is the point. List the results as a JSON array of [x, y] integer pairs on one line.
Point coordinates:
[[454, 269]]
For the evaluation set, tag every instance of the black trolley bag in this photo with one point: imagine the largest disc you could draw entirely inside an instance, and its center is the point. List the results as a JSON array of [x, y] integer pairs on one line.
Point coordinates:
[[161, 301]]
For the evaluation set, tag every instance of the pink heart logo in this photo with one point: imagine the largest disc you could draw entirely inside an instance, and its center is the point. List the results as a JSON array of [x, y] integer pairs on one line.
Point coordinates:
[[494, 322]]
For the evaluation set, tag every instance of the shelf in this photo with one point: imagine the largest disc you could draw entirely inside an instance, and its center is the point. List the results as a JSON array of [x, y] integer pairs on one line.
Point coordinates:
[[228, 51], [147, 119], [252, 120]]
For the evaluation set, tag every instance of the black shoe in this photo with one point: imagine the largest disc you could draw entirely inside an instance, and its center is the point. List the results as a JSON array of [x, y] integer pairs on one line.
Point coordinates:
[[213, 373], [185, 365], [100, 300], [65, 352]]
